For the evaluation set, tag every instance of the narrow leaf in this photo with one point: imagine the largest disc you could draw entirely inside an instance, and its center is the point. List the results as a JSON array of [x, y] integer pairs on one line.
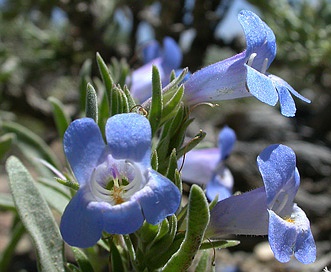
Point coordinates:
[[155, 160], [169, 110], [178, 181], [116, 260], [61, 119], [219, 244], [82, 260], [55, 197], [156, 105], [197, 221], [91, 103], [115, 100], [6, 202], [36, 217], [9, 252], [6, 143], [26, 136], [106, 77], [107, 80], [206, 263], [191, 144], [172, 166], [131, 102]]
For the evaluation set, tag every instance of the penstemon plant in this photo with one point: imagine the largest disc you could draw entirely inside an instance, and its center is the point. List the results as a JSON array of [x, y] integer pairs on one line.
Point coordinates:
[[120, 196]]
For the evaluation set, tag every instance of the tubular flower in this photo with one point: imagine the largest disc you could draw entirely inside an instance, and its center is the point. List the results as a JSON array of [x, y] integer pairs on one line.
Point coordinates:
[[244, 74], [118, 188], [269, 209], [165, 60], [206, 166]]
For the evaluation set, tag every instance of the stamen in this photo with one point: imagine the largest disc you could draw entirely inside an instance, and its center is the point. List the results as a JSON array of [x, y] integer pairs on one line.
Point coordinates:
[[264, 66], [97, 190], [135, 184], [116, 182], [251, 59]]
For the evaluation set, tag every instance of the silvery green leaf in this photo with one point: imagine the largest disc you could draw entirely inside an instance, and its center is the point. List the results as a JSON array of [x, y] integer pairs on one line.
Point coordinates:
[[36, 217]]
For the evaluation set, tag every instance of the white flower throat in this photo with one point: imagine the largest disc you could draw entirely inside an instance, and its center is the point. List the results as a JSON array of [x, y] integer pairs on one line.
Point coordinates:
[[115, 181]]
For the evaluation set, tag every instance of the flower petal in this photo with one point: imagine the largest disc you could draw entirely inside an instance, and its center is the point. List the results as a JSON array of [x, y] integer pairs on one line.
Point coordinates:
[[277, 164], [171, 56], [226, 140], [151, 50], [282, 82], [260, 39], [124, 218], [220, 81], [81, 224], [287, 105], [261, 86], [158, 199], [83, 146], [240, 214], [285, 90], [282, 237], [141, 80], [291, 236], [220, 185], [305, 248], [199, 165], [129, 137]]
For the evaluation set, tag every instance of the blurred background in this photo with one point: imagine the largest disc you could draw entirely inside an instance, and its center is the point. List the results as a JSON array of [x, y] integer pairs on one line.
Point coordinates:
[[47, 48]]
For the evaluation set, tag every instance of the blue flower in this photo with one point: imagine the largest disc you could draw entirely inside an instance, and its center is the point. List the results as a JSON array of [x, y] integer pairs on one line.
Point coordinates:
[[269, 209], [244, 74], [167, 59], [118, 188], [206, 166]]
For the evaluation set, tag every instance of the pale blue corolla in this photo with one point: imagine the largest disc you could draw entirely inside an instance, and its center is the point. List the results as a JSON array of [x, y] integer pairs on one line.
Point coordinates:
[[165, 59], [269, 210], [118, 188], [206, 166], [244, 74]]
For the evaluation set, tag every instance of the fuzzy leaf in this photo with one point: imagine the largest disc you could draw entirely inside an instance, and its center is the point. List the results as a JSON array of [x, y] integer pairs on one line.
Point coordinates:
[[91, 103], [170, 107], [105, 75], [61, 119], [197, 221], [131, 102], [191, 144], [156, 105], [219, 244], [36, 217]]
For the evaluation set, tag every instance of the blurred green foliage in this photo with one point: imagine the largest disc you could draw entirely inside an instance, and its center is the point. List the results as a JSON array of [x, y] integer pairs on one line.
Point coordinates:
[[47, 59], [303, 31]]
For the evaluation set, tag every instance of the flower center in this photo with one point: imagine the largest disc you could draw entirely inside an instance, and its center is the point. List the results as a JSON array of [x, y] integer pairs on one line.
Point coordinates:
[[264, 66], [115, 181]]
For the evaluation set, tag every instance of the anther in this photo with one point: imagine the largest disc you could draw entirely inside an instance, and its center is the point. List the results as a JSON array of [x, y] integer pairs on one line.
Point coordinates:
[[264, 66], [251, 59]]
